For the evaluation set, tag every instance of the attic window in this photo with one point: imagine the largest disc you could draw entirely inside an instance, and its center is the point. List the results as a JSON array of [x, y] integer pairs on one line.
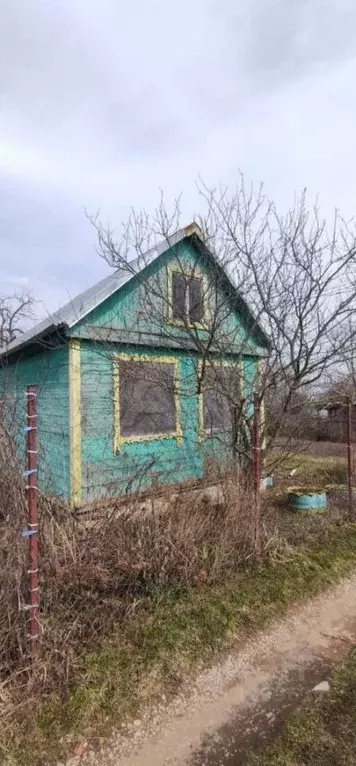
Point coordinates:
[[187, 298]]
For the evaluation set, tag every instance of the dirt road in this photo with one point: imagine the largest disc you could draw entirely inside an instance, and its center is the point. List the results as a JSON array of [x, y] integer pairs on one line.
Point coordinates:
[[241, 702]]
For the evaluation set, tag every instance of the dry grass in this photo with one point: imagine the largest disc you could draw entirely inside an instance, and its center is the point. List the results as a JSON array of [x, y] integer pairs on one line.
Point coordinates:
[[97, 579], [94, 576], [315, 448], [130, 588], [12, 560]]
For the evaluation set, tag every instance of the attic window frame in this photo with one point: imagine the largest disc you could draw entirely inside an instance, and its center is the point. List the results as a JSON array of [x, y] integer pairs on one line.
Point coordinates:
[[119, 438], [188, 273], [207, 433]]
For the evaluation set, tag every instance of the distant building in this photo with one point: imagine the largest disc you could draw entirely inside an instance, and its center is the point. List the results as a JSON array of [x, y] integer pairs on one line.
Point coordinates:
[[335, 414]]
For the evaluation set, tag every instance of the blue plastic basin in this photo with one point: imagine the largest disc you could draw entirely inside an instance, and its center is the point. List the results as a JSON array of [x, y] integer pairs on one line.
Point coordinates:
[[310, 502]]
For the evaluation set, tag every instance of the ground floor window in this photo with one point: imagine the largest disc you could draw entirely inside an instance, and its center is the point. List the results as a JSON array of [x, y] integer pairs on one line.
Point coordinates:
[[220, 397], [146, 398]]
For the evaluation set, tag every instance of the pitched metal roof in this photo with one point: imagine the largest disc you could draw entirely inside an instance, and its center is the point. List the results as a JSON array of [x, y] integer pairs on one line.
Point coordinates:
[[78, 308]]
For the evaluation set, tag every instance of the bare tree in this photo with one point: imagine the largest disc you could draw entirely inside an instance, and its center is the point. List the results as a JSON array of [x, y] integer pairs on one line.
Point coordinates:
[[297, 273], [15, 310]]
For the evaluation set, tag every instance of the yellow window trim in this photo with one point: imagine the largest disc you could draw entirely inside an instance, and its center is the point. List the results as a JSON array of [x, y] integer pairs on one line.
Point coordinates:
[[119, 439], [175, 268], [75, 422], [239, 365]]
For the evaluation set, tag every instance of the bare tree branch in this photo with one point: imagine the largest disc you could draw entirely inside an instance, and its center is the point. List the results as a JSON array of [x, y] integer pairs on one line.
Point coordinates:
[[296, 273], [15, 310]]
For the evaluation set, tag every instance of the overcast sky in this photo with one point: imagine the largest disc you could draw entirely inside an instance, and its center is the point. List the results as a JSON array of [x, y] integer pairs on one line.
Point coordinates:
[[104, 102]]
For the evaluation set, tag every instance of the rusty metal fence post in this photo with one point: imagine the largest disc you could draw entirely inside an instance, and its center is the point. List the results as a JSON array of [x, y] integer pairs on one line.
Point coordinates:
[[257, 471], [349, 456], [32, 531]]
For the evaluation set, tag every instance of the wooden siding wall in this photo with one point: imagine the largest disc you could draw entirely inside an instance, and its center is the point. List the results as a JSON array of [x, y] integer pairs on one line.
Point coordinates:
[[128, 312], [49, 370], [77, 456], [141, 464]]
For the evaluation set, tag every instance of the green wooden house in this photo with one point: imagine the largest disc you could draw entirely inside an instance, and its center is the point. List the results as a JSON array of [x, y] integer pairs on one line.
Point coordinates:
[[126, 374]]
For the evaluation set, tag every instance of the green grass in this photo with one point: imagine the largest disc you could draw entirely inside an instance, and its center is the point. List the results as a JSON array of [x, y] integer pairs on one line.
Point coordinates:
[[323, 733], [170, 636]]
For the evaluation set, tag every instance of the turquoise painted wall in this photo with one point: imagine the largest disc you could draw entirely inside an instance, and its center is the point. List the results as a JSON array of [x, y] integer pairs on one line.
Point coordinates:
[[143, 464], [138, 310], [137, 465], [49, 370]]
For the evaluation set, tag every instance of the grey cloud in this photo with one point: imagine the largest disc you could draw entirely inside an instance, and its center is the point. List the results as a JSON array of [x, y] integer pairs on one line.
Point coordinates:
[[263, 46], [144, 78], [103, 102], [100, 72], [44, 242], [290, 37]]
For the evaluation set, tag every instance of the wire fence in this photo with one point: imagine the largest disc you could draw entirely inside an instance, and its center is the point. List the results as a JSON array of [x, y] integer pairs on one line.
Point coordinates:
[[156, 476]]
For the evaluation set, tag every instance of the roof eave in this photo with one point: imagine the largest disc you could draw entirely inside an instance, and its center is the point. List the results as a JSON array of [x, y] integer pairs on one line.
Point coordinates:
[[236, 295], [51, 330]]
